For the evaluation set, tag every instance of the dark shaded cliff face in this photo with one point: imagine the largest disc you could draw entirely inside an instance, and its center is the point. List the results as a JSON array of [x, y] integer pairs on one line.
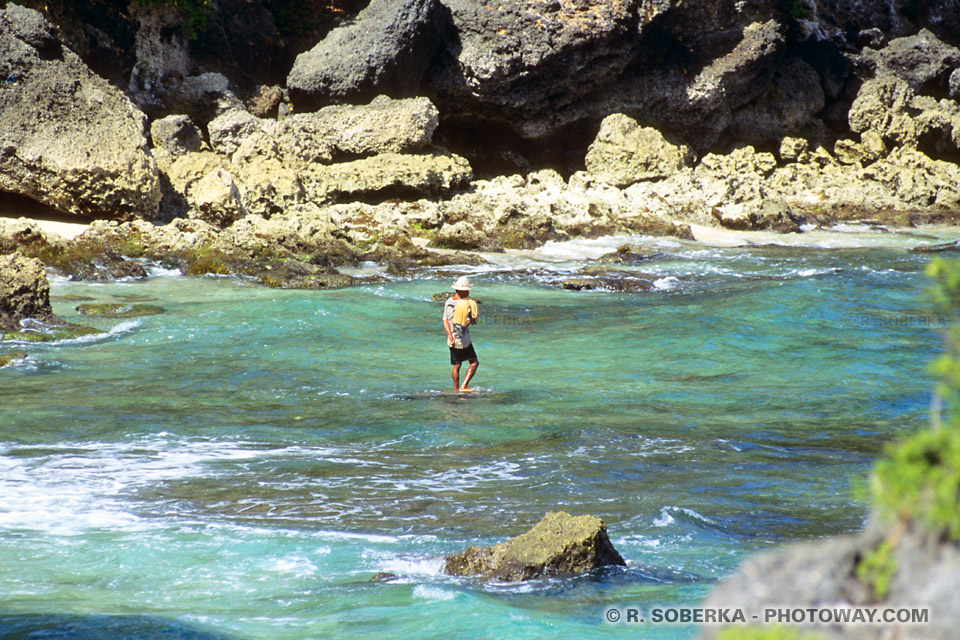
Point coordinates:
[[526, 83]]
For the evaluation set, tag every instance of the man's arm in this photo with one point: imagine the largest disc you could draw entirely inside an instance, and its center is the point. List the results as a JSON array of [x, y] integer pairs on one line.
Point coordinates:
[[446, 327]]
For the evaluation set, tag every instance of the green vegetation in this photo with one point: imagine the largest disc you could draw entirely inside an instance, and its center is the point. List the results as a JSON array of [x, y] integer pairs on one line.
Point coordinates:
[[764, 633], [918, 479], [800, 11], [876, 569]]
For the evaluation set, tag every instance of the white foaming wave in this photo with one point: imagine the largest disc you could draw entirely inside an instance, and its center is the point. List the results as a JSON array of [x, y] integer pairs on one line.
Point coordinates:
[[583, 249], [156, 270], [124, 327], [419, 566], [666, 283], [806, 273], [80, 486], [665, 518], [297, 565], [432, 592], [467, 478]]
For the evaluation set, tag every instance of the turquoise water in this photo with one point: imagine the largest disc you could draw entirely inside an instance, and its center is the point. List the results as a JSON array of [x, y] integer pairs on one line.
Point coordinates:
[[240, 466]]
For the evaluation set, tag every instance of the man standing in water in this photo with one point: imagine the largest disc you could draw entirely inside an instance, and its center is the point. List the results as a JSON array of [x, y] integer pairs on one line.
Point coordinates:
[[459, 312]]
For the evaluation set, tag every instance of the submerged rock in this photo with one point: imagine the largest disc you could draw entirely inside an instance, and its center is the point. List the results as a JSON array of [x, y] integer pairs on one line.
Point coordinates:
[[608, 281], [11, 356], [117, 310], [560, 544], [626, 254], [38, 332], [937, 248]]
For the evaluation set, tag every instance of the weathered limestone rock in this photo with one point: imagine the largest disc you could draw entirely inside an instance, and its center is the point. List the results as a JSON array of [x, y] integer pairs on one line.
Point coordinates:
[[216, 199], [766, 213], [175, 135], [791, 149], [560, 544], [923, 61], [24, 291], [266, 102], [231, 128], [624, 153], [390, 173], [67, 137], [890, 108], [386, 50]]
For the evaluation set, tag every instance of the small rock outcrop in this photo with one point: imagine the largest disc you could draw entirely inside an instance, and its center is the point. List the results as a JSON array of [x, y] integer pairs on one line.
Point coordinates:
[[24, 292], [386, 50], [68, 138], [560, 544]]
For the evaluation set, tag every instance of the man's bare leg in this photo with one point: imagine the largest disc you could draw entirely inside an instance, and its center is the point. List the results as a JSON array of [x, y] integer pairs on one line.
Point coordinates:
[[472, 369], [456, 377]]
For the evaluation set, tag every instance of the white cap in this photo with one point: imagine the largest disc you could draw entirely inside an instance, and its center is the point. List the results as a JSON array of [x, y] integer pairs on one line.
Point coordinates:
[[462, 284]]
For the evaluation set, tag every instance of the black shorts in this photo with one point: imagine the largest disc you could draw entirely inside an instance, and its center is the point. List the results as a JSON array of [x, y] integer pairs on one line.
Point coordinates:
[[459, 355]]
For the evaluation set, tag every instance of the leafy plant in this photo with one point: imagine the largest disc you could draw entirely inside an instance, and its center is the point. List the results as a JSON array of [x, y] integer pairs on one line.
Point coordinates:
[[764, 633], [918, 479], [877, 568]]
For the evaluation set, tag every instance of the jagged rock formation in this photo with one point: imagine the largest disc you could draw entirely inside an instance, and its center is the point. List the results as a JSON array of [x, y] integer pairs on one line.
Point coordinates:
[[386, 51], [24, 292], [68, 138]]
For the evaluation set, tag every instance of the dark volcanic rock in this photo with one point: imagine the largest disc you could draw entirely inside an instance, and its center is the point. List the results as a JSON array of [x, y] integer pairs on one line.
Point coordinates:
[[628, 253], [537, 68], [607, 281], [560, 544], [24, 291], [386, 50]]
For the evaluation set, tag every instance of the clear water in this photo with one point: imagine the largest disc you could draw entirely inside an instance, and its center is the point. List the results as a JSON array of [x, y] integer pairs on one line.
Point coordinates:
[[241, 465]]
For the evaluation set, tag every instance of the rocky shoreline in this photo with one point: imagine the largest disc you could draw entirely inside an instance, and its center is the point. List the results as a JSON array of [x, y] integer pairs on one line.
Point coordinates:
[[762, 120]]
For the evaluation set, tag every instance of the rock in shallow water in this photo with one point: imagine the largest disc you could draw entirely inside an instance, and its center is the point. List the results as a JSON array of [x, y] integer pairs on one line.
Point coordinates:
[[560, 544], [115, 310], [11, 356], [24, 291]]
